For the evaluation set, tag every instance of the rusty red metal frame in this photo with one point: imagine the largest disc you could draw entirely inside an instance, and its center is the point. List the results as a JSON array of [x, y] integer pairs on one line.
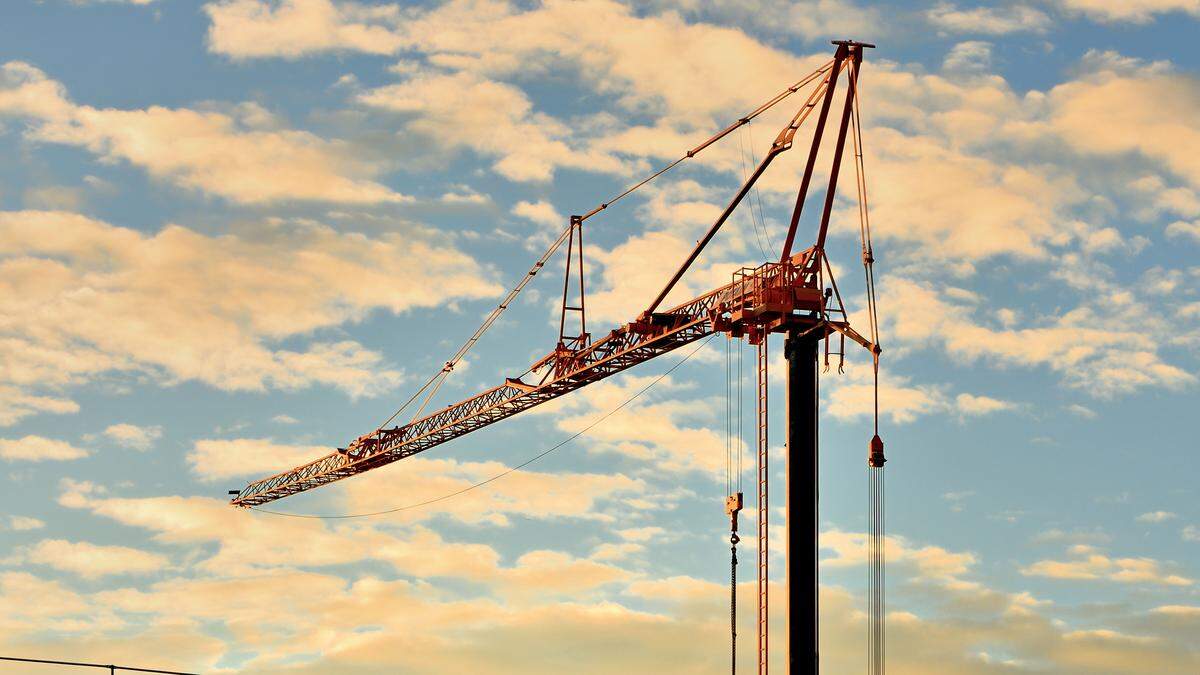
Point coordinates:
[[774, 297]]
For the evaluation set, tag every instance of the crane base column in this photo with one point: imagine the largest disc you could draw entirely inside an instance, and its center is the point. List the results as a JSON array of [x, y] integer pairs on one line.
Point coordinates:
[[802, 497]]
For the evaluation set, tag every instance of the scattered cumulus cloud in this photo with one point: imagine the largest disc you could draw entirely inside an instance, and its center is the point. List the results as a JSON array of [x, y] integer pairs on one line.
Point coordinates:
[[242, 155], [244, 29], [1082, 411], [1184, 230], [1002, 20], [1131, 11], [215, 459], [1156, 517], [133, 436], [974, 55], [1090, 564], [34, 448], [233, 297], [1089, 352], [541, 213], [851, 395], [91, 561], [25, 523], [17, 404]]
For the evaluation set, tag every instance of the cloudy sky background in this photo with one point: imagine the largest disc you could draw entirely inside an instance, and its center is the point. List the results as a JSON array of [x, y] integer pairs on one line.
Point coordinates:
[[236, 233]]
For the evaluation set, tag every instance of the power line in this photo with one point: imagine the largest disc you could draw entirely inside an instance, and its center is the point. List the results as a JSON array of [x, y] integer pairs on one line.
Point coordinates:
[[110, 667]]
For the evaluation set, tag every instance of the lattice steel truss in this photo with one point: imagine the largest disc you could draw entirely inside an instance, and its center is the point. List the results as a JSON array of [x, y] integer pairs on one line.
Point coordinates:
[[769, 298]]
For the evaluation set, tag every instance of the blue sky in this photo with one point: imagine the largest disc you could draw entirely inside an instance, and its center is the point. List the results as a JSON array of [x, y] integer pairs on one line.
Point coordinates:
[[234, 234]]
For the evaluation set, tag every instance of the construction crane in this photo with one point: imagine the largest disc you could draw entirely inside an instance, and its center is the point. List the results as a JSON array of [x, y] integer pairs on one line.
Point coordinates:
[[795, 295]]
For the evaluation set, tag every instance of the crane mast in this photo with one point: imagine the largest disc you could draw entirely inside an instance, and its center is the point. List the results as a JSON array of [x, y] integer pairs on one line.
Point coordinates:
[[795, 295]]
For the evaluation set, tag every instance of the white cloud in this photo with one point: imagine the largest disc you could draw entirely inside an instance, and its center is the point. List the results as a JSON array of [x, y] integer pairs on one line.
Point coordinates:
[[292, 28], [242, 155], [467, 112], [1156, 517], [1133, 11], [1104, 635], [541, 212], [213, 460], [90, 301], [247, 541], [931, 563], [1089, 113], [24, 523], [970, 404], [1027, 203], [38, 449], [339, 624], [669, 433], [133, 436], [812, 19], [284, 419], [1177, 610], [1184, 229], [1091, 564], [16, 405], [618, 551], [91, 561], [522, 494], [973, 55], [1092, 354], [1190, 533], [851, 395], [989, 20], [1082, 411]]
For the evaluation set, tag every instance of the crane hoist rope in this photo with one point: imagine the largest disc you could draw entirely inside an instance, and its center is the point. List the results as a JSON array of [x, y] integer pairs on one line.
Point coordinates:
[[733, 484], [877, 501]]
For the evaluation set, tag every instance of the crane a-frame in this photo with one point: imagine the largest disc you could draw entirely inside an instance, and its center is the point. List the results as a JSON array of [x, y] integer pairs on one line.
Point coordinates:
[[795, 295]]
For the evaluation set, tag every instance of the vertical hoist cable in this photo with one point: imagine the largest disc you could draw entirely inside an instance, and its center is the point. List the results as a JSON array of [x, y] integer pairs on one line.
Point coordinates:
[[876, 490], [733, 502], [741, 383]]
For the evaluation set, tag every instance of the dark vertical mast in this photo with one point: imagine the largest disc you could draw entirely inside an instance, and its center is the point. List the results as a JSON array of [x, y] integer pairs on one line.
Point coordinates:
[[802, 495]]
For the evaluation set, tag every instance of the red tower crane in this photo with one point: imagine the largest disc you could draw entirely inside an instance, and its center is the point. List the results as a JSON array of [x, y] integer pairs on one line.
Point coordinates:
[[795, 295]]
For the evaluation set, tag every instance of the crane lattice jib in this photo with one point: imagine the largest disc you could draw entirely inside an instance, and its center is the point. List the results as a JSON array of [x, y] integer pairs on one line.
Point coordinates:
[[763, 299]]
